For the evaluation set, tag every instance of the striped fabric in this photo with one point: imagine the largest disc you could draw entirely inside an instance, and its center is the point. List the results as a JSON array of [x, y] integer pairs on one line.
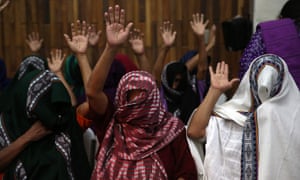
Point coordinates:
[[250, 151], [139, 128], [223, 149]]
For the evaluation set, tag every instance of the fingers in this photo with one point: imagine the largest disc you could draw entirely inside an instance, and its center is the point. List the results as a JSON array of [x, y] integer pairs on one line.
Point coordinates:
[[56, 54], [225, 69], [128, 27], [115, 16], [106, 18], [33, 36], [73, 30], [211, 71], [49, 60], [79, 28], [206, 23], [218, 68], [117, 13], [83, 28], [68, 39], [4, 5], [122, 18], [222, 68], [167, 26], [111, 15], [196, 18], [234, 80], [136, 34]]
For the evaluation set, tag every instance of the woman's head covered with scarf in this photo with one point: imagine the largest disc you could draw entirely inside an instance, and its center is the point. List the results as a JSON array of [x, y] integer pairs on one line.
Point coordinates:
[[178, 91], [28, 65], [270, 98], [140, 127], [175, 72]]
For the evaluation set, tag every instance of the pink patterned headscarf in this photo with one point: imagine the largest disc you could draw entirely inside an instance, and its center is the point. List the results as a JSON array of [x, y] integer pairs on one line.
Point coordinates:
[[139, 129]]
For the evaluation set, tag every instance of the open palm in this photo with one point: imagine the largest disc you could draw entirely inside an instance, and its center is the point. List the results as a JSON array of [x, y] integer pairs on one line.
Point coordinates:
[[219, 79], [116, 32], [136, 41], [78, 43], [56, 59], [167, 33], [198, 25]]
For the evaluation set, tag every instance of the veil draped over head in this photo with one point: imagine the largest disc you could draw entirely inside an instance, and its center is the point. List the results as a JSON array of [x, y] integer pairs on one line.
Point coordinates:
[[139, 129], [267, 105]]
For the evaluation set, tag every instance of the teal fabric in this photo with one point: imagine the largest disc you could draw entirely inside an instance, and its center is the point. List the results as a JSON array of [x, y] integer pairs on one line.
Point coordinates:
[[73, 76]]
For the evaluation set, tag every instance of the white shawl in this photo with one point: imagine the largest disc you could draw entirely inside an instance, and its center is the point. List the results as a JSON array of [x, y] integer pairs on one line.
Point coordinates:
[[278, 128]]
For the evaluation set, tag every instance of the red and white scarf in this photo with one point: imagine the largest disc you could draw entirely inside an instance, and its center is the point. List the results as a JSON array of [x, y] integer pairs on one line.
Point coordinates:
[[138, 130]]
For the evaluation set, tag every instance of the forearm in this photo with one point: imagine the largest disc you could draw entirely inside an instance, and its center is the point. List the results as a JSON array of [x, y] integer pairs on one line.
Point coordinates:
[[202, 61], [192, 63], [9, 153], [159, 64], [143, 62], [85, 68], [68, 88], [101, 69], [97, 99], [200, 119], [93, 54]]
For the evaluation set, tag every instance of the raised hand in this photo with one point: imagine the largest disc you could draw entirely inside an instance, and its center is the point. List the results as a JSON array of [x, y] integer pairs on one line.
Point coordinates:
[[198, 25], [4, 5], [136, 41], [94, 35], [34, 41], [55, 61], [167, 33], [78, 43], [116, 32], [219, 79]]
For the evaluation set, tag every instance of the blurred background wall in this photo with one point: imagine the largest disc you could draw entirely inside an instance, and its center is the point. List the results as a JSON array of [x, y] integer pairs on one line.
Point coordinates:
[[52, 18]]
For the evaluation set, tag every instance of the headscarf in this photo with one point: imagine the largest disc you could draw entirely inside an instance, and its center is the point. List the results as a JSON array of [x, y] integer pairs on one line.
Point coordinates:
[[28, 64], [138, 130], [183, 100], [4, 81], [270, 124], [249, 162], [36, 93]]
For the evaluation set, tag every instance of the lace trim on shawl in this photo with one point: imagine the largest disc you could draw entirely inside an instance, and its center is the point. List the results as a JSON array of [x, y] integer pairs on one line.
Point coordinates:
[[20, 172], [37, 62], [249, 159], [63, 145], [37, 88]]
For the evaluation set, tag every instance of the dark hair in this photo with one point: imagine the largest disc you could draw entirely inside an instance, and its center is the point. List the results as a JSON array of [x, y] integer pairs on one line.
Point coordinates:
[[291, 9]]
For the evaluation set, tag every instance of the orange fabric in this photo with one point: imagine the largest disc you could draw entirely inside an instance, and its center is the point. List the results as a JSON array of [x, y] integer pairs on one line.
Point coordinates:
[[82, 121]]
